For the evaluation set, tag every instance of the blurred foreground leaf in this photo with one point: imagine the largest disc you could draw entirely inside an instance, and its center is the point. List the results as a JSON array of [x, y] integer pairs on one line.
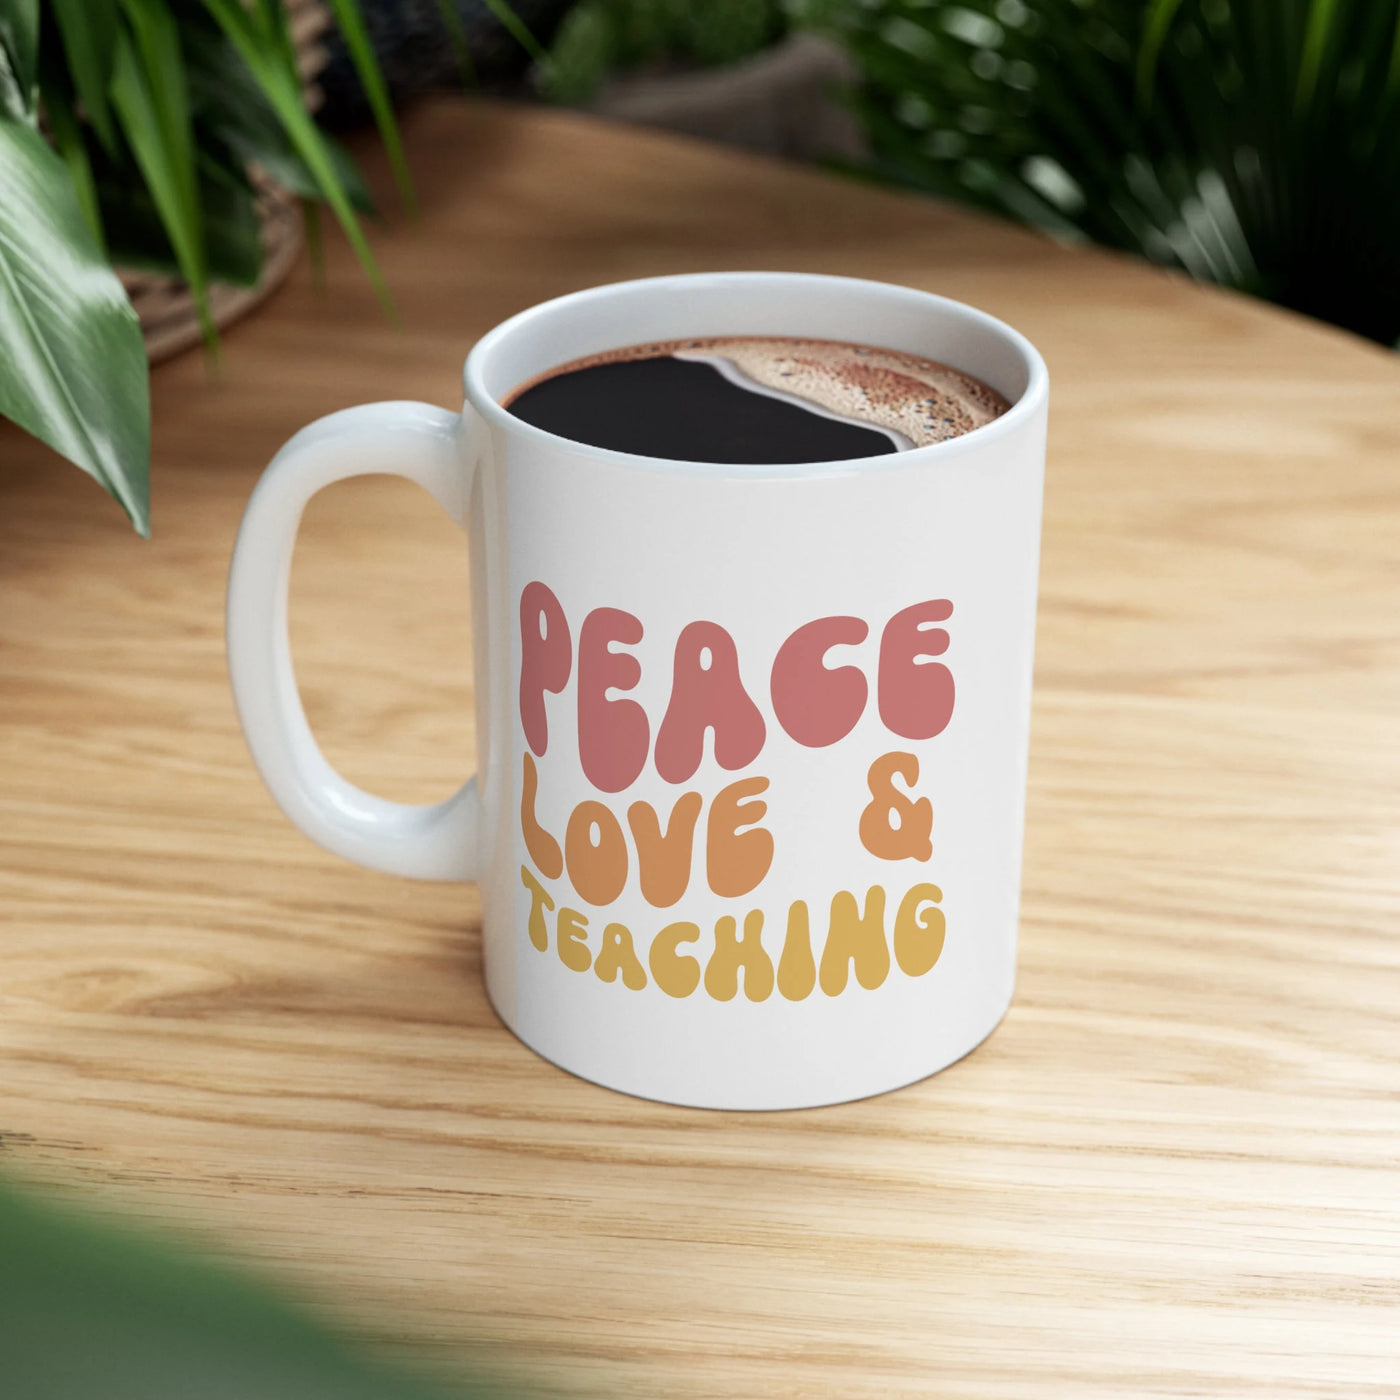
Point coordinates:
[[90, 1311]]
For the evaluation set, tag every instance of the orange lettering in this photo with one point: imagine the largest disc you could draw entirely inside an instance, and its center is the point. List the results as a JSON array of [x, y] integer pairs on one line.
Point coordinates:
[[597, 869], [894, 826], [663, 860], [736, 861], [543, 848]]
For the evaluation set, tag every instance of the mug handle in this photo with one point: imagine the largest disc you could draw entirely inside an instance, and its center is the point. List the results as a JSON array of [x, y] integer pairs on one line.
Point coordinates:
[[425, 444]]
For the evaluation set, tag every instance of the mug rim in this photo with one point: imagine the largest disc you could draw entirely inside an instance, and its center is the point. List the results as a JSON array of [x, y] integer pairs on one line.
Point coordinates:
[[1030, 402]]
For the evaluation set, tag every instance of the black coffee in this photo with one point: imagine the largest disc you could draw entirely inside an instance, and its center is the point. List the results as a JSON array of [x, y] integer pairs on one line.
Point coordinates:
[[755, 399]]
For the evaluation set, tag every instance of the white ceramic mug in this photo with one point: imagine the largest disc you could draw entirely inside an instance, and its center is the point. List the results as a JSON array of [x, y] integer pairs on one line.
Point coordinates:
[[750, 796]]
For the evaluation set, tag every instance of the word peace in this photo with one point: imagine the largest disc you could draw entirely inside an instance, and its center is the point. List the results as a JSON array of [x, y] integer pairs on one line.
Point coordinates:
[[815, 705]]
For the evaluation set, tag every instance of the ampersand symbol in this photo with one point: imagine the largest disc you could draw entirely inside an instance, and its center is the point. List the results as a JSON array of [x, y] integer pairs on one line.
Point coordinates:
[[895, 826]]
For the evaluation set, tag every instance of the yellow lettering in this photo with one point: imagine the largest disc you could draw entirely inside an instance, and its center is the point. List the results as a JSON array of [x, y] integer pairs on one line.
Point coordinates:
[[853, 937], [571, 933], [918, 941], [797, 972], [676, 975], [732, 953], [539, 902], [617, 955]]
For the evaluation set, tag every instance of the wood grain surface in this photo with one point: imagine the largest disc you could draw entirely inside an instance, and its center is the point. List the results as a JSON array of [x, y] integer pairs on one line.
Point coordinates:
[[1174, 1170]]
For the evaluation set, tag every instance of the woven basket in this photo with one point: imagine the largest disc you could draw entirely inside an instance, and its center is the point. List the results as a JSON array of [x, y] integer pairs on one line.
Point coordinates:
[[163, 303]]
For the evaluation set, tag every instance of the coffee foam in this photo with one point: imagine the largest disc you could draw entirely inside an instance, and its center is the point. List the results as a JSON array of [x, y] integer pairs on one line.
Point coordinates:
[[916, 401]]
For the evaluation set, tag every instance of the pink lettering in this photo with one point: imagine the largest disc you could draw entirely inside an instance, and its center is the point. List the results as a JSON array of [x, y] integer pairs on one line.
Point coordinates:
[[706, 693], [613, 735], [546, 657], [916, 693], [816, 705]]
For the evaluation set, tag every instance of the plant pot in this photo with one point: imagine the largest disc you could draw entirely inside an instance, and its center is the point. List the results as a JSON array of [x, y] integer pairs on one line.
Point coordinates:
[[163, 304], [781, 102]]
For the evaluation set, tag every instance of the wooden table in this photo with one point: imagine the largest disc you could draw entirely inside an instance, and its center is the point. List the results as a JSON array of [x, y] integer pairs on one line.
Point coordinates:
[[1171, 1172]]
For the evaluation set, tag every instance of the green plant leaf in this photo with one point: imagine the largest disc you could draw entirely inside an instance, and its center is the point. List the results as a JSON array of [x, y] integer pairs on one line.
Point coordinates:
[[19, 59], [229, 103], [150, 99], [1267, 158], [357, 43], [72, 364], [271, 150], [584, 50], [137, 236], [275, 23], [1321, 24], [157, 45], [89, 32], [283, 91], [457, 37], [725, 31], [518, 30], [68, 140], [1392, 80], [231, 223], [1160, 14]]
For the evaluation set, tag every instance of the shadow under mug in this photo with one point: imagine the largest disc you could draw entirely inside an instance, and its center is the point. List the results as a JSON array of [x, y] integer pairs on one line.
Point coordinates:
[[748, 814]]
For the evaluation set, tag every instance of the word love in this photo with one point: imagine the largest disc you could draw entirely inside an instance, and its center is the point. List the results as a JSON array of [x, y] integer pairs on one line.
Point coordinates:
[[595, 850], [815, 705], [738, 852], [855, 944]]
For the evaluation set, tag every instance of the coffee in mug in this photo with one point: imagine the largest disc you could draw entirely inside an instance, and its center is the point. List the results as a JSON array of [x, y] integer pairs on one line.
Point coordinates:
[[753, 628], [768, 399]]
